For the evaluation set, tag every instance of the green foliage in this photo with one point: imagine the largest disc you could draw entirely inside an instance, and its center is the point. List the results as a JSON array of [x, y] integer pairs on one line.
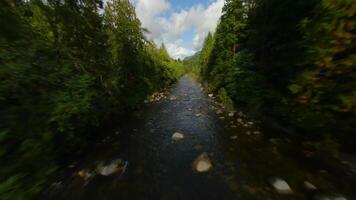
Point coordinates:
[[225, 99], [290, 60], [65, 70]]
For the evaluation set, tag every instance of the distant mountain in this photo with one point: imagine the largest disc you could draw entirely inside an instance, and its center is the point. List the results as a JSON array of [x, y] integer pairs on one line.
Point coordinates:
[[193, 58]]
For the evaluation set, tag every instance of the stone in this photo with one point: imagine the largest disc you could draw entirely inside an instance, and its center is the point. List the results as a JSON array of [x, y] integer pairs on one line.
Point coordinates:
[[211, 95], [219, 112], [309, 186], [281, 186], [234, 137], [177, 136], [239, 120], [117, 166], [198, 114], [256, 132], [202, 163], [146, 101], [231, 114], [85, 174]]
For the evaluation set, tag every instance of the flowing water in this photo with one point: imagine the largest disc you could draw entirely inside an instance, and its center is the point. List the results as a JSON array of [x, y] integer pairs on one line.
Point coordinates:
[[243, 161]]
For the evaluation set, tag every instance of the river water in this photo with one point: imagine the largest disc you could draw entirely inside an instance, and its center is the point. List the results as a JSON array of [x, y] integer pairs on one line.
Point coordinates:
[[159, 168]]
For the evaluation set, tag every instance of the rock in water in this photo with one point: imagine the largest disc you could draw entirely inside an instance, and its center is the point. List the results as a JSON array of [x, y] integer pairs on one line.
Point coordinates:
[[281, 186], [309, 186], [85, 174], [231, 114], [210, 95], [202, 163], [234, 137], [117, 166], [177, 136]]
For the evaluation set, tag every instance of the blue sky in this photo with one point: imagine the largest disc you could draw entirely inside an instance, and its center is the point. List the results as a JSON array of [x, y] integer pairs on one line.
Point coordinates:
[[181, 25]]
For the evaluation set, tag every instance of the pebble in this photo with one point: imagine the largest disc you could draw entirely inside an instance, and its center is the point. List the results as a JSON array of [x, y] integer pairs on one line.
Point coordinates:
[[177, 136]]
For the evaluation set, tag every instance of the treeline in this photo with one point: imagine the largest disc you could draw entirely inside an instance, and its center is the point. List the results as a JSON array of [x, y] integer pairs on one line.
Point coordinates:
[[67, 67], [293, 61]]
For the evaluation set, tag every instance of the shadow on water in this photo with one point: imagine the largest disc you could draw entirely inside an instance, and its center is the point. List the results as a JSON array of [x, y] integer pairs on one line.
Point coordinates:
[[160, 168]]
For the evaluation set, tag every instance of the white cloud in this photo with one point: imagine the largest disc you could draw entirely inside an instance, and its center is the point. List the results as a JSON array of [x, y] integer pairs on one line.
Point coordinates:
[[169, 28]]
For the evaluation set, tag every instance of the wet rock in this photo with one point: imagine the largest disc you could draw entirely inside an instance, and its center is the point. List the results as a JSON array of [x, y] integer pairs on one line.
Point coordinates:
[[117, 166], [231, 114], [177, 136], [309, 186], [211, 95], [221, 118], [234, 137], [256, 132], [239, 120], [218, 112], [85, 174], [198, 114], [202, 163], [250, 123], [281, 186]]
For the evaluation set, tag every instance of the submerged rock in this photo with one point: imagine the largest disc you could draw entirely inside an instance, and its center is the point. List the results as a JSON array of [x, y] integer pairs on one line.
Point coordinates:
[[177, 136], [117, 166], [85, 174], [281, 186], [202, 163]]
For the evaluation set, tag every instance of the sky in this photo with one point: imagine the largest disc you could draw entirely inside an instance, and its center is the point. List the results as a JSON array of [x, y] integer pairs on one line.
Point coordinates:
[[181, 25]]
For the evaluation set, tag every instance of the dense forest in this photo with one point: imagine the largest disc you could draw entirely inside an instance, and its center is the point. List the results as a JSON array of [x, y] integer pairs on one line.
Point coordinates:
[[290, 61], [67, 67]]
